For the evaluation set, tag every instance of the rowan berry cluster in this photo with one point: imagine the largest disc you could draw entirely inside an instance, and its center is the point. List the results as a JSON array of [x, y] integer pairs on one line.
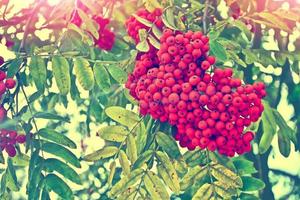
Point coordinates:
[[106, 38], [133, 25], [209, 110], [8, 140]]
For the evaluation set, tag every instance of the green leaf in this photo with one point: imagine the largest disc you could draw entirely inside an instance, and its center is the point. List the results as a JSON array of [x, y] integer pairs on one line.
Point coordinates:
[[156, 32], [58, 186], [269, 128], [102, 77], [168, 172], [169, 19], [14, 67], [38, 71], [194, 174], [155, 187], [11, 178], [52, 164], [154, 41], [52, 116], [150, 5], [88, 24], [142, 20], [242, 26], [60, 67], [224, 191], [112, 172], [218, 50], [124, 162], [194, 158], [122, 116], [246, 196], [117, 73], [105, 152], [113, 133], [284, 143], [142, 159], [54, 136], [125, 183], [226, 176], [205, 192], [61, 152], [252, 184], [21, 160], [236, 58], [143, 46], [168, 144], [84, 73], [244, 166], [131, 149], [275, 20], [250, 57]]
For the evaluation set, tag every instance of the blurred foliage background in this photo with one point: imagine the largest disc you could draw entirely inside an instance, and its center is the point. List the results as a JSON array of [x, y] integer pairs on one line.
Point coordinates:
[[263, 43]]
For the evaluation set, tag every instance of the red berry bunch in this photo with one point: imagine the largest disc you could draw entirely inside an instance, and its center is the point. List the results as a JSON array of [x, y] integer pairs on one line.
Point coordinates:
[[106, 38], [8, 140], [133, 25], [209, 110], [6, 83]]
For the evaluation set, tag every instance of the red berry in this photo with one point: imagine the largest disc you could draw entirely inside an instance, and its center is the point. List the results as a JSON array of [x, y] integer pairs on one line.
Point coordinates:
[[10, 83], [10, 150]]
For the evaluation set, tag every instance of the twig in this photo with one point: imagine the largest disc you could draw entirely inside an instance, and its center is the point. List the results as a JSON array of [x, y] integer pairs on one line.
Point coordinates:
[[204, 20]]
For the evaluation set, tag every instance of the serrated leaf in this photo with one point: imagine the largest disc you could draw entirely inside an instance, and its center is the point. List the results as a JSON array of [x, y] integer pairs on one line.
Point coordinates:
[[218, 50], [52, 164], [38, 71], [252, 184], [223, 190], [269, 128], [169, 19], [125, 183], [168, 172], [155, 187], [156, 31], [226, 176], [205, 192], [14, 67], [143, 46], [276, 21], [142, 159], [61, 152], [113, 133], [168, 144], [194, 158], [52, 116], [151, 5], [84, 73], [131, 149], [142, 20], [154, 41], [58, 186], [244, 166], [89, 24], [112, 172], [105, 152], [102, 77], [54, 136], [124, 162], [236, 58], [250, 57], [11, 178], [242, 26], [21, 160], [60, 67], [117, 73], [122, 116], [195, 173], [284, 143]]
